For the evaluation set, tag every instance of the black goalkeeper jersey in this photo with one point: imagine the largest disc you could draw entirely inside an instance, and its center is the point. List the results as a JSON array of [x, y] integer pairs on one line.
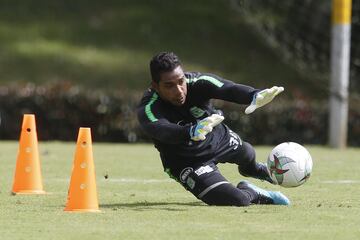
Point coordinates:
[[169, 125]]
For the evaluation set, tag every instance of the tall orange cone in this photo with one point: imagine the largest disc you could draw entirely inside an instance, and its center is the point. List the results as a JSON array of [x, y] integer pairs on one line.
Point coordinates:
[[27, 179], [82, 195]]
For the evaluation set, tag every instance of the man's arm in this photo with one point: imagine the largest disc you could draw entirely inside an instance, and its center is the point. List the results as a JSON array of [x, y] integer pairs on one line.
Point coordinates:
[[166, 132], [210, 86], [159, 128]]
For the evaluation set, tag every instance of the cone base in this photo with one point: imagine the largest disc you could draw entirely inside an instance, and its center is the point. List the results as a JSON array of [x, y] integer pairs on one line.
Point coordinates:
[[81, 210], [28, 192]]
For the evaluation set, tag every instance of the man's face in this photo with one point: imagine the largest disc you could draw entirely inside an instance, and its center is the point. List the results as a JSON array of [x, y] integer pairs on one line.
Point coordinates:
[[172, 86]]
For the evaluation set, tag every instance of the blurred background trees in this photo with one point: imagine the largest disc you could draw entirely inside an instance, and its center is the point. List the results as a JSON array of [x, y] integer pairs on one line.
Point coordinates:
[[300, 31], [85, 63]]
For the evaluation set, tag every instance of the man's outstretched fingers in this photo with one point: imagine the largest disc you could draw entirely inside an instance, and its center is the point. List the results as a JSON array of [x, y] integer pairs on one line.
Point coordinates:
[[216, 119], [279, 90]]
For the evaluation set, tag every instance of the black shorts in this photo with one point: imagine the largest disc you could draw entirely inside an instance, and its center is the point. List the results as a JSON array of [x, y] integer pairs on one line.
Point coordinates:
[[201, 178]]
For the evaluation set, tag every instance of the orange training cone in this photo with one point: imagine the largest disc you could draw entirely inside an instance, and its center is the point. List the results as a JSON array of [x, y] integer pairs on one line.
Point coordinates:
[[28, 178], [82, 195]]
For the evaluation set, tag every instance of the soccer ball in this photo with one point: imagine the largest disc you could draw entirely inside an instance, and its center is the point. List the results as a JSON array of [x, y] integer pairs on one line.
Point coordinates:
[[289, 164]]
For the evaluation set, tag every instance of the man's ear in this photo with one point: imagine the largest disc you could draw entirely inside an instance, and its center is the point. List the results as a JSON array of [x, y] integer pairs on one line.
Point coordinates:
[[155, 85]]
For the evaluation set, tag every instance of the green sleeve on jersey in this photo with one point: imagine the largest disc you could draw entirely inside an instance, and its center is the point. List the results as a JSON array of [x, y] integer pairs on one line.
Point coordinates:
[[213, 80], [148, 112]]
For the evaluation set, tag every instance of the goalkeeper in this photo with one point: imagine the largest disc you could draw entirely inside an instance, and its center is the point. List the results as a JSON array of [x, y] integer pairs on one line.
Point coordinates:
[[191, 138]]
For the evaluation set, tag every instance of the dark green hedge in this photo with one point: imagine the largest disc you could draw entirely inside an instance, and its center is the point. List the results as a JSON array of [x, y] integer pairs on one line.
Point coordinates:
[[61, 109]]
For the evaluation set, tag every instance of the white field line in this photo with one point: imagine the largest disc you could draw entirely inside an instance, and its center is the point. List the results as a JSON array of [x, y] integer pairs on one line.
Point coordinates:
[[341, 181], [121, 180], [135, 180], [149, 181]]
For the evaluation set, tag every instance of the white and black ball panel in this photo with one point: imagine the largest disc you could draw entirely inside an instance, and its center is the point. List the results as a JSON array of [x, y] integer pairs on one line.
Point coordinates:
[[289, 164]]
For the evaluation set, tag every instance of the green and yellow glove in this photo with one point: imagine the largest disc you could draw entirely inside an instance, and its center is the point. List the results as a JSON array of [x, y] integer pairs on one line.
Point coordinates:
[[199, 131]]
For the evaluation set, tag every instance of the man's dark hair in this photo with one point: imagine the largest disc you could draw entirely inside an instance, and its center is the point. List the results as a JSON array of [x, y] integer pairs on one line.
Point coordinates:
[[163, 62]]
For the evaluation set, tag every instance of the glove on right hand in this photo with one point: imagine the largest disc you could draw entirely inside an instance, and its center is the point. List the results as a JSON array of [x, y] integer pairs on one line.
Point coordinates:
[[199, 131]]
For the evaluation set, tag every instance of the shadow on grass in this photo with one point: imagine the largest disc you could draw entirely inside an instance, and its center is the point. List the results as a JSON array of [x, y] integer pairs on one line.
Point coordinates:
[[144, 206]]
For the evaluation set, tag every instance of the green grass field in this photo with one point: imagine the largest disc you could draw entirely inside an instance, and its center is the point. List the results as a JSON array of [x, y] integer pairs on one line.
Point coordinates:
[[139, 201]]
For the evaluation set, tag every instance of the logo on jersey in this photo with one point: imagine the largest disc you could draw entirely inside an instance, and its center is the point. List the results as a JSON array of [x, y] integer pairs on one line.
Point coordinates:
[[203, 169], [190, 182], [185, 174], [235, 140], [197, 112]]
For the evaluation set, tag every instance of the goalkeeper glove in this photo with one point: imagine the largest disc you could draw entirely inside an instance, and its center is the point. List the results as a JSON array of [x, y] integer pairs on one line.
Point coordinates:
[[199, 131], [263, 97]]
